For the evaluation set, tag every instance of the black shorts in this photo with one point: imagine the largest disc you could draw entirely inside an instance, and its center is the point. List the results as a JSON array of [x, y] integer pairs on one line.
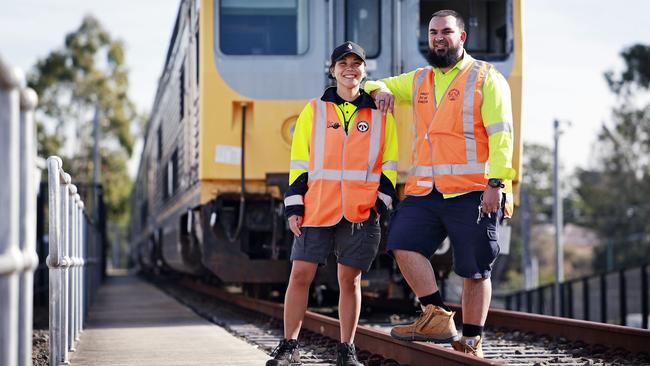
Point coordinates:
[[421, 223], [354, 245]]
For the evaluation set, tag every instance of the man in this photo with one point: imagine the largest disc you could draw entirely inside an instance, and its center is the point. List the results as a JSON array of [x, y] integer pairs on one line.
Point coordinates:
[[461, 163]]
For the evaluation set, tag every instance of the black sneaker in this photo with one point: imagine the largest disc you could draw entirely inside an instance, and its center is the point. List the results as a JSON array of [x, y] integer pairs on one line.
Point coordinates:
[[346, 355], [285, 354]]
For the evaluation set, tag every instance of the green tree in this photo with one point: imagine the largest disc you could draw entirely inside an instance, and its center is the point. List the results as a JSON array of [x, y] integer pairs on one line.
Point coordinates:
[[88, 73], [615, 194], [537, 181]]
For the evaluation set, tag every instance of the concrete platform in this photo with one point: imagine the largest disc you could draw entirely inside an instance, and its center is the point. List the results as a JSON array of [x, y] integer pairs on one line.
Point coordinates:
[[134, 323]]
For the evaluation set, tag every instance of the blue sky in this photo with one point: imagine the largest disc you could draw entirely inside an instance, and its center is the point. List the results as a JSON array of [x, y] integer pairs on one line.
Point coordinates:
[[568, 47], [569, 44]]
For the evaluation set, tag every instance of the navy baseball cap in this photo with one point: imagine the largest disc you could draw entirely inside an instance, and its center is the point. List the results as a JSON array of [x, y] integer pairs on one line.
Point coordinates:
[[347, 48]]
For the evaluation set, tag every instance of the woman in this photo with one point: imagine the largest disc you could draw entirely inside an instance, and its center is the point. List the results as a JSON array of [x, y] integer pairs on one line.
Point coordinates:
[[343, 172]]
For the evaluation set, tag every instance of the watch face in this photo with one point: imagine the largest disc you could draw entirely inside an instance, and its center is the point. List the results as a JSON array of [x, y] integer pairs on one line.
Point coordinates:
[[494, 183]]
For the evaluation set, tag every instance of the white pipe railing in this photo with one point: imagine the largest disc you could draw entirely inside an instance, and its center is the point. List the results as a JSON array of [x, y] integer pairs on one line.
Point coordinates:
[[74, 244], [74, 273], [30, 179], [18, 257]]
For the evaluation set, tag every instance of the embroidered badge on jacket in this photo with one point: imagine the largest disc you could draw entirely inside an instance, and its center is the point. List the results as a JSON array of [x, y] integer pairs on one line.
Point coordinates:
[[362, 126]]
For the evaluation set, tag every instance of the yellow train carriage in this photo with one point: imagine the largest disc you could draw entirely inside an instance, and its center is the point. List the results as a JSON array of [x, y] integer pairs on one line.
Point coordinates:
[[236, 76]]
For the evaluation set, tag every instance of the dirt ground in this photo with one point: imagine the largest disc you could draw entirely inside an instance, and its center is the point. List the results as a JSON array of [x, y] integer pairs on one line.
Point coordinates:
[[41, 337]]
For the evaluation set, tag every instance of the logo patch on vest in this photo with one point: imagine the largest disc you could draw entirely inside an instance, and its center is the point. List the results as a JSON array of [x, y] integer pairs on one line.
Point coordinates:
[[453, 94], [423, 98], [333, 125], [362, 126]]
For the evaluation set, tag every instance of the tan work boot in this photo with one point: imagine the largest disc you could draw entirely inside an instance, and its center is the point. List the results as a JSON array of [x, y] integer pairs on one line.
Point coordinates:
[[469, 345], [434, 325]]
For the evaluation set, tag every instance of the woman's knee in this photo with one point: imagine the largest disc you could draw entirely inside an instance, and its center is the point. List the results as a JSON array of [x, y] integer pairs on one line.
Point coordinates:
[[302, 275], [349, 278]]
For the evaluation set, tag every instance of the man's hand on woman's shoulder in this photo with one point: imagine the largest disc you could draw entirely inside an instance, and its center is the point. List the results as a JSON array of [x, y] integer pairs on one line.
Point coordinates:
[[384, 99]]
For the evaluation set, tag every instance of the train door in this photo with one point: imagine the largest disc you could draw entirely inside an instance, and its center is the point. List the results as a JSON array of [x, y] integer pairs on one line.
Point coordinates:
[[370, 24]]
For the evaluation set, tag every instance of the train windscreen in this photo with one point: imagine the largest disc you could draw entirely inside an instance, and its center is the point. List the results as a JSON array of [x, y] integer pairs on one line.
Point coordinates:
[[263, 27], [488, 24]]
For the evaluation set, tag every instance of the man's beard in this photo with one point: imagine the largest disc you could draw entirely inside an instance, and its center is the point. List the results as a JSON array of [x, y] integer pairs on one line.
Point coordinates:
[[447, 59]]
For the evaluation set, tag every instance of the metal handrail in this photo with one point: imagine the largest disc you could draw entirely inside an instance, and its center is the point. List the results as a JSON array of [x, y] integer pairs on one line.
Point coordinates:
[[74, 271], [18, 258]]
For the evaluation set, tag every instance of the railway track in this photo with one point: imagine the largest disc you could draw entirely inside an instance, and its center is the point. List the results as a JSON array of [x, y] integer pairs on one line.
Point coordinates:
[[512, 338]]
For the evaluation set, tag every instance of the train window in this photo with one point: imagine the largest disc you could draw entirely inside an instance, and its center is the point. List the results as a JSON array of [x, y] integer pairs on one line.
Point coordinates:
[[164, 178], [487, 23], [170, 178], [197, 59], [263, 27], [144, 213], [362, 24], [181, 96], [172, 174], [159, 136]]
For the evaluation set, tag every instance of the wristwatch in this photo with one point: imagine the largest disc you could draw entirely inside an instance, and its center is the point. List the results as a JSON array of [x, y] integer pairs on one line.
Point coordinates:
[[495, 183]]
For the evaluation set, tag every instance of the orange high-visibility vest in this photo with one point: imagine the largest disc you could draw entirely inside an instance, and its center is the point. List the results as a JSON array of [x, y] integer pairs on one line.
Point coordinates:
[[344, 170], [450, 144]]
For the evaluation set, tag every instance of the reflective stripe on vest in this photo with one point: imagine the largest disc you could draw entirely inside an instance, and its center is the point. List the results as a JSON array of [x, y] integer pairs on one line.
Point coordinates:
[[344, 169]]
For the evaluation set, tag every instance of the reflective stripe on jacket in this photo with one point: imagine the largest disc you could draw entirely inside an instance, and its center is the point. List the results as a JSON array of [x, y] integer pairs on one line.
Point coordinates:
[[344, 170], [450, 146]]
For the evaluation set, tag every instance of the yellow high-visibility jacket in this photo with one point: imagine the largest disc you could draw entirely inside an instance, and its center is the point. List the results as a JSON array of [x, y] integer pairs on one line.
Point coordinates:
[[300, 151]]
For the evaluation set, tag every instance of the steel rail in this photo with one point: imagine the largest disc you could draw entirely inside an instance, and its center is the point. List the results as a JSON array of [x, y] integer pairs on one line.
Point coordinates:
[[373, 341], [609, 335]]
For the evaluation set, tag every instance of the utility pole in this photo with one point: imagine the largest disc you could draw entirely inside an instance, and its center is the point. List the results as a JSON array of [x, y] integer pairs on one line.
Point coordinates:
[[99, 233], [96, 165], [557, 218]]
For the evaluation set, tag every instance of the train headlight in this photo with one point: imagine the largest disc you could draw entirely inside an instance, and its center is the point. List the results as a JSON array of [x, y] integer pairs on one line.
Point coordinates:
[[288, 126]]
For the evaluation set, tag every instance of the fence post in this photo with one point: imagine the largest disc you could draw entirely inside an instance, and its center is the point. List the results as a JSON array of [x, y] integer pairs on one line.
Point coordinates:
[[622, 297], [10, 255], [644, 296], [72, 272], [585, 298], [68, 192], [54, 258], [27, 236], [80, 267], [603, 298], [569, 298]]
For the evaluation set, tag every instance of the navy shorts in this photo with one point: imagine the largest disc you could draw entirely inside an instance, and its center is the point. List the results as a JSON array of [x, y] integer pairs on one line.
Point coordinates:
[[355, 245], [421, 223]]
